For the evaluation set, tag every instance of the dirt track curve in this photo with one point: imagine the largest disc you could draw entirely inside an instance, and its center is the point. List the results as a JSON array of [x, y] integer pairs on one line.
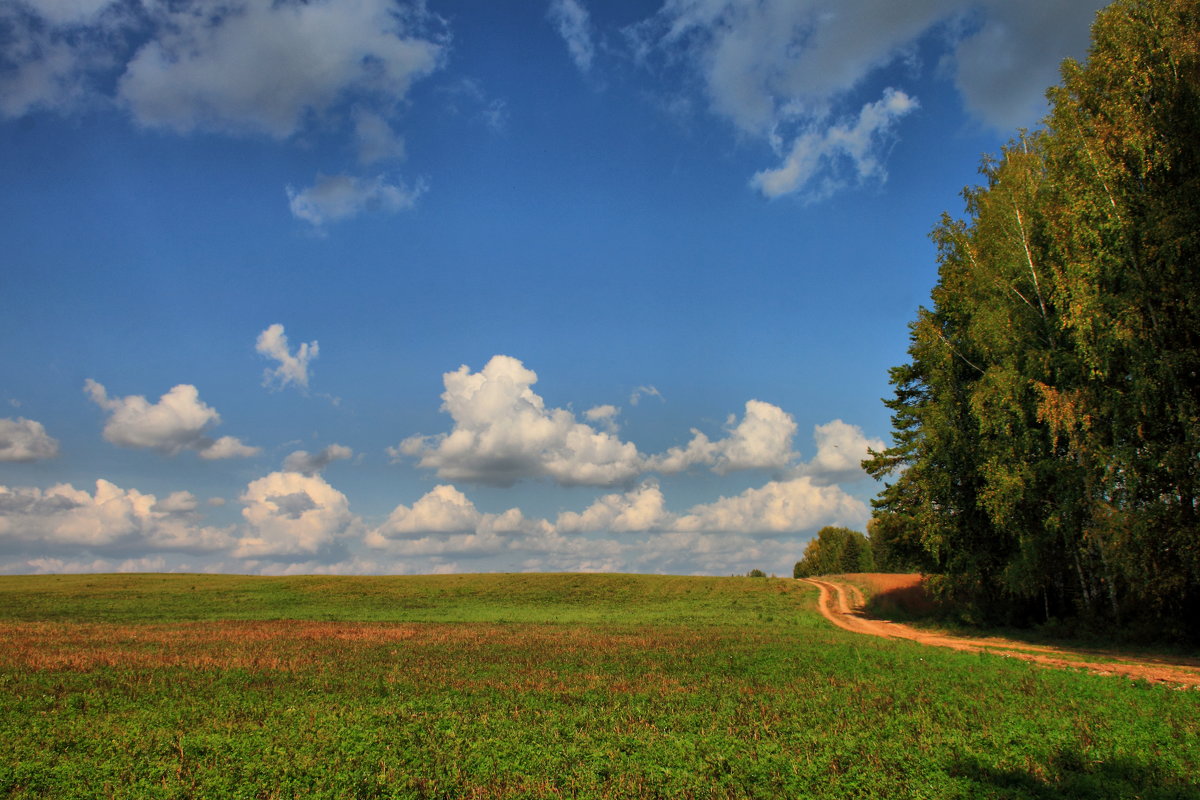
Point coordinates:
[[841, 603]]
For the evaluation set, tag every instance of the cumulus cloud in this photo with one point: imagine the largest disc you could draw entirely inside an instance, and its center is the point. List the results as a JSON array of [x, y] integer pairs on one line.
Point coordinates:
[[444, 509], [25, 440], [605, 416], [503, 433], [293, 368], [841, 449], [181, 502], [778, 507], [641, 509], [337, 197], [110, 519], [178, 421], [571, 19], [290, 516], [227, 447], [308, 463], [445, 522], [762, 440]]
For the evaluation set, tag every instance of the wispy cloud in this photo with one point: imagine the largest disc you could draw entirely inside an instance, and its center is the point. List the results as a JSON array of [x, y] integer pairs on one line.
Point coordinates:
[[337, 197], [787, 72], [571, 19], [819, 152]]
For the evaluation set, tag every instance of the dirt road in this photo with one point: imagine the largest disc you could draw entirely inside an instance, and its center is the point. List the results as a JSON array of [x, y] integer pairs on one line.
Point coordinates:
[[841, 603]]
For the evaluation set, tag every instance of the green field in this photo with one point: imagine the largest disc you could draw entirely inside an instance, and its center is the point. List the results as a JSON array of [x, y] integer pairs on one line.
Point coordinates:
[[539, 686]]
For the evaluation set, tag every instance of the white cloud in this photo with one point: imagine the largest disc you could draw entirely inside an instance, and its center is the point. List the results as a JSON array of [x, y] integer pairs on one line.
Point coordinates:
[[311, 463], [762, 440], [784, 70], [636, 396], [292, 369], [290, 516], [778, 507], [703, 553], [336, 197], [445, 522], [25, 440], [641, 509], [227, 447], [820, 150], [605, 416], [59, 566], [260, 67], [110, 519], [503, 433], [178, 421], [570, 17], [443, 510], [181, 502], [841, 449]]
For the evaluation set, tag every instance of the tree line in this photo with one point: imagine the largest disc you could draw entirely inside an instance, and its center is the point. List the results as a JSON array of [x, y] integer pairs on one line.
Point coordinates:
[[1045, 458]]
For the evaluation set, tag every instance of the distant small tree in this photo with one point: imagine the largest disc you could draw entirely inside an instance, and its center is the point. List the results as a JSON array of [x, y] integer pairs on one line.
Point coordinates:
[[835, 550], [756, 573]]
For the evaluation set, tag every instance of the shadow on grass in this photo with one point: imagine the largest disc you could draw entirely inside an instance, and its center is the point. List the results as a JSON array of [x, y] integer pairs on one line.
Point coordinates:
[[916, 605], [1069, 774], [905, 604]]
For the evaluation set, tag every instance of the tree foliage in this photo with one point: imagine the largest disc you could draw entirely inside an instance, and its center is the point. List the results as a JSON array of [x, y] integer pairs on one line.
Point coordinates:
[[1046, 431], [835, 551]]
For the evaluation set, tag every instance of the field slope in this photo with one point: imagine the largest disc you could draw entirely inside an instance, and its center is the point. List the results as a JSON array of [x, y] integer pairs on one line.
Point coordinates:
[[540, 686]]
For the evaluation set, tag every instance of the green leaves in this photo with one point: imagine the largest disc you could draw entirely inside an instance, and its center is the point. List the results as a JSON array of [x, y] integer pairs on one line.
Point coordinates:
[[1048, 425]]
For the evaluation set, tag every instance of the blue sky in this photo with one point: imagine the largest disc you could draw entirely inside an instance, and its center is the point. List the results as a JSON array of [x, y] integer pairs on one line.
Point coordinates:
[[374, 286]]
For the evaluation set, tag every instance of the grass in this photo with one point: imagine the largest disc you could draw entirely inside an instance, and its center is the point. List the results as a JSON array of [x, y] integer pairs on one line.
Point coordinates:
[[154, 686]]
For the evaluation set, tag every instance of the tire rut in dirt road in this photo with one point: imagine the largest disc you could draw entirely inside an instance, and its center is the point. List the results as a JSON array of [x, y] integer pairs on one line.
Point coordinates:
[[841, 603]]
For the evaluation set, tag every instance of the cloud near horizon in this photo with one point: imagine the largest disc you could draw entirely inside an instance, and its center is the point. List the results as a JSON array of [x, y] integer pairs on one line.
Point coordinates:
[[110, 520], [289, 516]]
